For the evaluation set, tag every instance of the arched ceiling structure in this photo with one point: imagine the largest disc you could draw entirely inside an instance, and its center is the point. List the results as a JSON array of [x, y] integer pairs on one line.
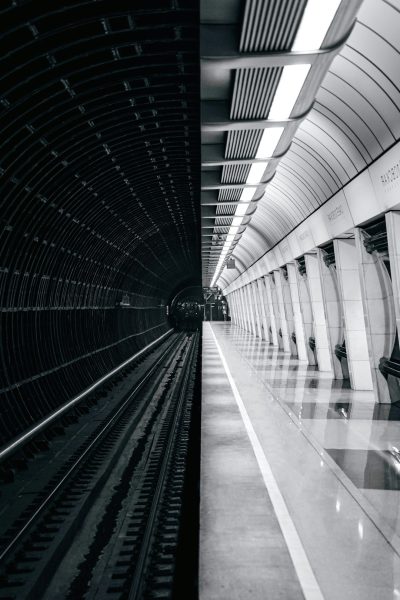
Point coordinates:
[[99, 166], [354, 118]]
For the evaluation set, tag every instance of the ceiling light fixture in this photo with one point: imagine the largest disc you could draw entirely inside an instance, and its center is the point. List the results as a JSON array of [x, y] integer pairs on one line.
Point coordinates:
[[288, 90], [256, 172], [314, 25], [269, 141]]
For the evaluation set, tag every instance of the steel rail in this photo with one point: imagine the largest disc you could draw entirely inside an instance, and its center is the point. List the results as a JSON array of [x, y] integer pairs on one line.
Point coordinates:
[[110, 422], [30, 433]]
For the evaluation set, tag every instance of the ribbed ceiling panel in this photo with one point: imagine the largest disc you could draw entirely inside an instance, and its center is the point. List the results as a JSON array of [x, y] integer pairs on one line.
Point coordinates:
[[235, 173], [221, 221], [242, 144], [225, 210], [253, 92], [229, 195], [270, 26]]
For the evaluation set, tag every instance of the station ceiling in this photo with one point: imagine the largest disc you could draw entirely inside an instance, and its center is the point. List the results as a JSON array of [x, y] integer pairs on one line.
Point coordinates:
[[345, 116]]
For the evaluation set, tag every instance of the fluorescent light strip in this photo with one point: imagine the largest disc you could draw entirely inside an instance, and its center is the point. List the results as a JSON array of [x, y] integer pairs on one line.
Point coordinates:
[[237, 221], [241, 210], [256, 172], [288, 90], [314, 25], [247, 194], [269, 142]]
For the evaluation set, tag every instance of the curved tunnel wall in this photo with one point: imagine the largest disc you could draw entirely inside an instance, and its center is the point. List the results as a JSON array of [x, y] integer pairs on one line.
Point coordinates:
[[99, 174]]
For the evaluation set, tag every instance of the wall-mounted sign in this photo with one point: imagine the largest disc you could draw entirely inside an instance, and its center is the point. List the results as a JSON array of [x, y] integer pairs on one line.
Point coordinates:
[[231, 264]]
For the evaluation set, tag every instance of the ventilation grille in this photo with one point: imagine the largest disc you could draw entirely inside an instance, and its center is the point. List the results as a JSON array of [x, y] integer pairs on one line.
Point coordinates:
[[270, 25], [242, 144], [229, 195], [223, 221], [225, 210], [235, 173], [253, 92]]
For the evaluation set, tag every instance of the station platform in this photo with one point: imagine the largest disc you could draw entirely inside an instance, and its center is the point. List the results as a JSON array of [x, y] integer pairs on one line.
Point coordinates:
[[300, 488]]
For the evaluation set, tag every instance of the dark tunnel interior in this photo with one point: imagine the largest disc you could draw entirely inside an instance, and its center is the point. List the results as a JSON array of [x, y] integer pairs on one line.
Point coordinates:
[[100, 174]]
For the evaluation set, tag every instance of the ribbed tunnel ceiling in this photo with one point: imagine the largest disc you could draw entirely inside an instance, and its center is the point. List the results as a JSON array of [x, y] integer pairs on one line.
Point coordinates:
[[354, 118], [99, 187]]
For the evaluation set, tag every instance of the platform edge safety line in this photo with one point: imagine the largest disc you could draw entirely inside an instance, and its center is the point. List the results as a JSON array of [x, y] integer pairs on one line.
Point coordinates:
[[305, 574], [13, 445]]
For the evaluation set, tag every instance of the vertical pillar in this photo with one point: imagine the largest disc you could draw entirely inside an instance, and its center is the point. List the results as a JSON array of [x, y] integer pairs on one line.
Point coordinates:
[[260, 285], [393, 231], [281, 308], [380, 319], [287, 303], [247, 325], [333, 309], [268, 291], [241, 309], [306, 311], [251, 309], [318, 311], [238, 309], [356, 336], [275, 308], [242, 315], [253, 287], [301, 340], [232, 307]]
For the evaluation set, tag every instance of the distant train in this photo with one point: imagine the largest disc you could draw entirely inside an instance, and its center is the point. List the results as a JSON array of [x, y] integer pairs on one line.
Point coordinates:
[[187, 316]]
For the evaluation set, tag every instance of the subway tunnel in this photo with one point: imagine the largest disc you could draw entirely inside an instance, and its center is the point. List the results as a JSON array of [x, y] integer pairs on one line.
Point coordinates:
[[200, 299]]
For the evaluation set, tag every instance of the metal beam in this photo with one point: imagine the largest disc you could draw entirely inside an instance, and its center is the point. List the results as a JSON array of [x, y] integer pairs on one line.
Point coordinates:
[[225, 204], [218, 50], [213, 155], [215, 117], [233, 186]]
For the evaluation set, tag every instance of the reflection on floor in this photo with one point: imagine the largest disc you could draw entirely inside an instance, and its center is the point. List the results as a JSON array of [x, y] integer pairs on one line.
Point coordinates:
[[361, 436], [335, 455]]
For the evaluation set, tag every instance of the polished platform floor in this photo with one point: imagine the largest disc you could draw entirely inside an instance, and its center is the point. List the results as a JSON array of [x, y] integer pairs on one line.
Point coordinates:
[[300, 479]]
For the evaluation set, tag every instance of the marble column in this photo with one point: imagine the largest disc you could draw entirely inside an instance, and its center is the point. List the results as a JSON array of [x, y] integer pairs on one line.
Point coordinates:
[[241, 308], [281, 308], [275, 308], [235, 316], [245, 305], [272, 320], [379, 311], [333, 309], [301, 340], [356, 337], [306, 311], [393, 234], [287, 303], [318, 310], [257, 312], [251, 309], [261, 296]]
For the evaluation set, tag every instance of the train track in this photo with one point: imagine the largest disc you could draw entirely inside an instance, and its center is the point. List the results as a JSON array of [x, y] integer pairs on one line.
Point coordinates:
[[107, 524]]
